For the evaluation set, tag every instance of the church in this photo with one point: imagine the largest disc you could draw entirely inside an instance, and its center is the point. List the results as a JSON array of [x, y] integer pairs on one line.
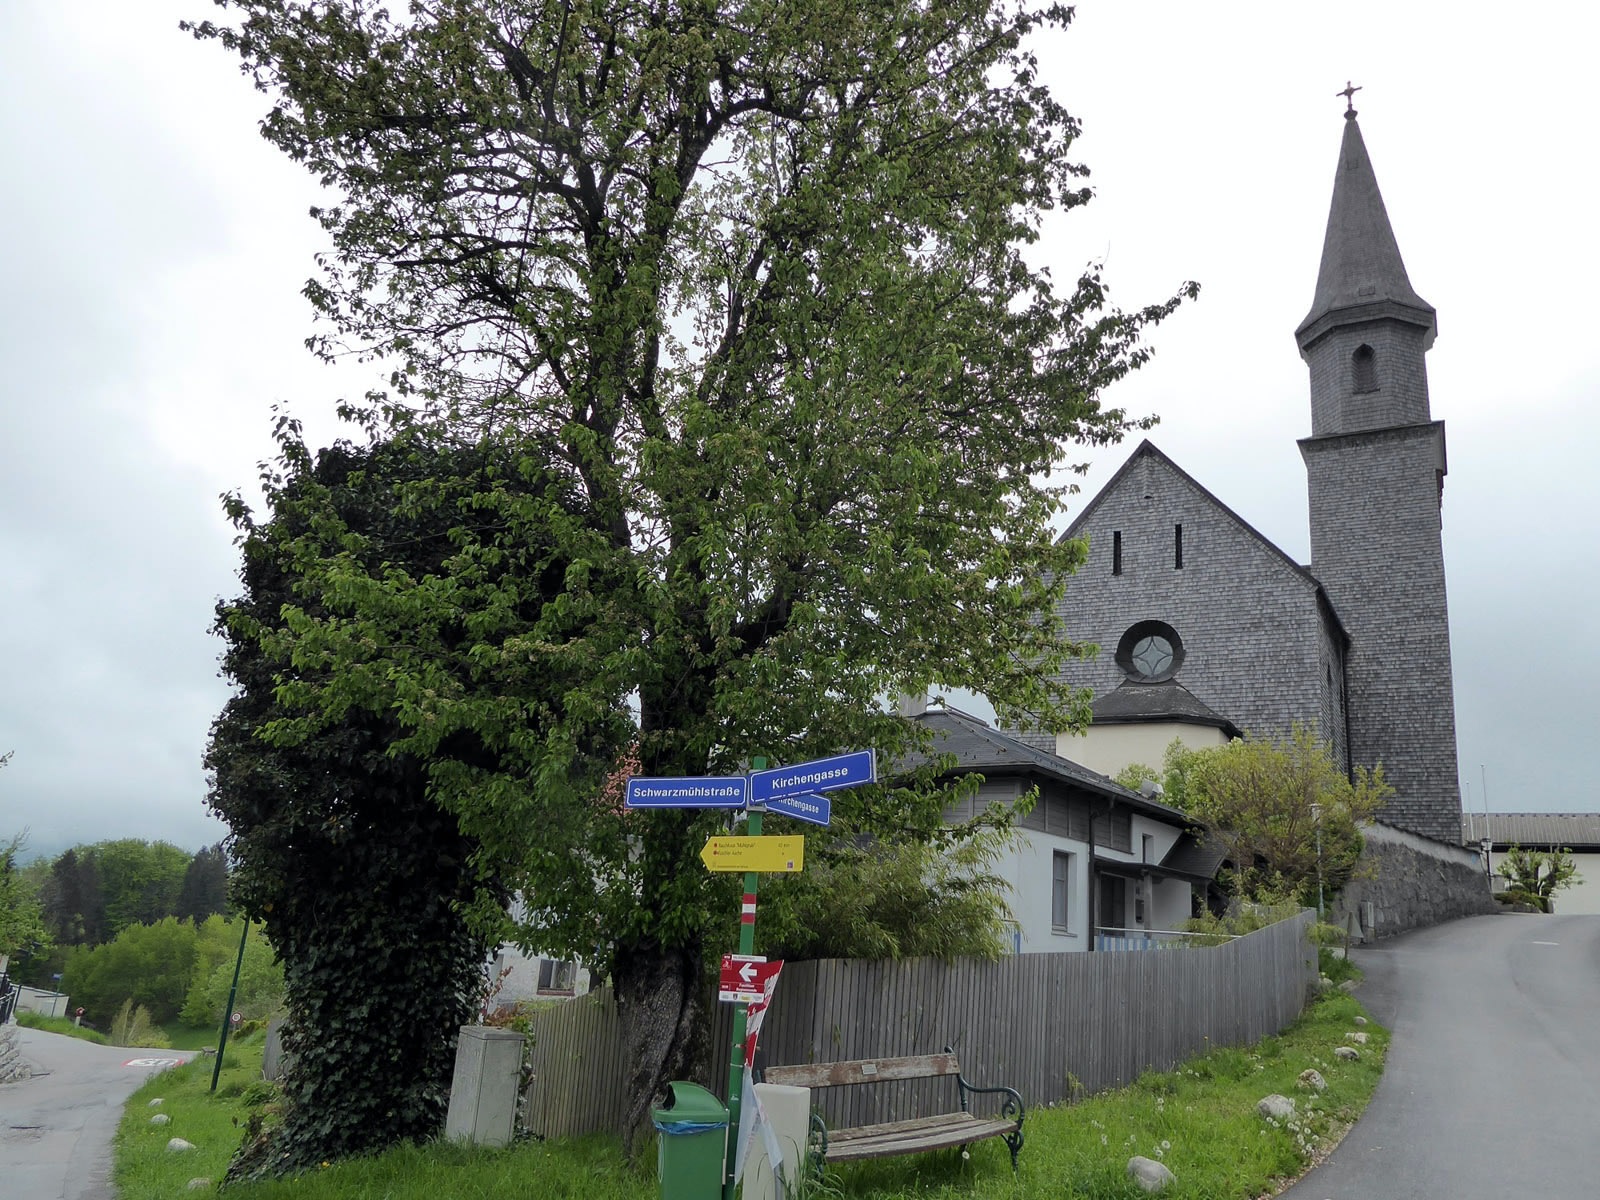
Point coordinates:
[[1207, 630]]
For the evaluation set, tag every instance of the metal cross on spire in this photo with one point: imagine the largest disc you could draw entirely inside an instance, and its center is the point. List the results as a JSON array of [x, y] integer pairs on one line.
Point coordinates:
[[1349, 94]]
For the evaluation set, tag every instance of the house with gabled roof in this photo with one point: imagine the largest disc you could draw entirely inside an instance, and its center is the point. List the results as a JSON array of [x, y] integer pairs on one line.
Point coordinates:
[[1095, 865]]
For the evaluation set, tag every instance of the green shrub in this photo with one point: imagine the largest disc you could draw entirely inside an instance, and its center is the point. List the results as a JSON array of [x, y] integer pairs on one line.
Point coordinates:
[[1518, 896], [132, 1026]]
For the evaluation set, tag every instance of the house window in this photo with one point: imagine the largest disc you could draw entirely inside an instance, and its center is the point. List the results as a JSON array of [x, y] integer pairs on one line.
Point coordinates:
[[1364, 369], [557, 976], [1116, 552], [1147, 844], [1060, 890]]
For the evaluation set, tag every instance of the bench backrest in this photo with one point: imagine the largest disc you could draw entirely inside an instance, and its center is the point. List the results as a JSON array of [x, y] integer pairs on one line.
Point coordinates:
[[864, 1070]]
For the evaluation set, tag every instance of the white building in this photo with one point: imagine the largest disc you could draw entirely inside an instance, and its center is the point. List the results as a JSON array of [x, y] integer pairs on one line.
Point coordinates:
[[1095, 865]]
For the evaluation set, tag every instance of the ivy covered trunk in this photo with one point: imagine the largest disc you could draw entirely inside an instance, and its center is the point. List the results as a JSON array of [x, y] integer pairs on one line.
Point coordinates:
[[380, 971]]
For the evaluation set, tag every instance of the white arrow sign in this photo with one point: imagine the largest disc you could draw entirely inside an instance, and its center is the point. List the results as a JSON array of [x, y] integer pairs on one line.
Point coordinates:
[[740, 977]]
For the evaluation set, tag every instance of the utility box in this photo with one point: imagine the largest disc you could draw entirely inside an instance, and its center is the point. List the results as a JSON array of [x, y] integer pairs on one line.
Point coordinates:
[[483, 1093], [788, 1112], [691, 1138]]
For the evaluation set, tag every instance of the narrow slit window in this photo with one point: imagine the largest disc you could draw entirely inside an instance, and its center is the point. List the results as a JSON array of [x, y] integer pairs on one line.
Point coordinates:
[[1177, 547], [1364, 369], [1116, 552]]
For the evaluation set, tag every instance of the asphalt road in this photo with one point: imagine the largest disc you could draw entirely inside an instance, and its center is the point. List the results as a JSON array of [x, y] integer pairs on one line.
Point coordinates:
[[1492, 1087], [56, 1128]]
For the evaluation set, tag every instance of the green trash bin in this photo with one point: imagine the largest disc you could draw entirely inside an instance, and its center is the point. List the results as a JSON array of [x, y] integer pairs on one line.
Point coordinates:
[[691, 1132]]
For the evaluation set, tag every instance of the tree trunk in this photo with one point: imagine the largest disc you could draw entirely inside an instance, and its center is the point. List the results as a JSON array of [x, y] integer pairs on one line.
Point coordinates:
[[659, 1001]]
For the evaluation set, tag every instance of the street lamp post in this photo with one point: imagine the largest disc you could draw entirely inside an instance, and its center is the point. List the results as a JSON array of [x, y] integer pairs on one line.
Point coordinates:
[[1316, 821]]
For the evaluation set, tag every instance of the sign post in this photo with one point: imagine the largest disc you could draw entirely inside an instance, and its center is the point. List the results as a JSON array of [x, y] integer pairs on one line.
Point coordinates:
[[747, 980], [747, 946]]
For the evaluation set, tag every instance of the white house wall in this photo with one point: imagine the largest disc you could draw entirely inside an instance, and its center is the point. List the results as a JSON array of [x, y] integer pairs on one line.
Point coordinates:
[[1109, 748], [1583, 897], [1028, 867]]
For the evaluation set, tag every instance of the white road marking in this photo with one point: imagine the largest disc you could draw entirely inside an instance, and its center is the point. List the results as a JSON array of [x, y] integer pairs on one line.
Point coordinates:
[[1547, 943]]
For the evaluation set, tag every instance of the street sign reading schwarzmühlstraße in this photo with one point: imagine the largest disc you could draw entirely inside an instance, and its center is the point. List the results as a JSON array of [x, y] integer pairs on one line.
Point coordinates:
[[727, 791]]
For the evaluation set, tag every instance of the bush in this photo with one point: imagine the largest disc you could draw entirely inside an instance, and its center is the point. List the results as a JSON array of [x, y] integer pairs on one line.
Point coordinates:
[[132, 1026], [152, 965], [1518, 896]]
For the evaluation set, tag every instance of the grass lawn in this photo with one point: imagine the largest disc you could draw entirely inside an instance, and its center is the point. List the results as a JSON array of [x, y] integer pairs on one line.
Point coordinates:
[[190, 1037], [33, 1020], [1200, 1120]]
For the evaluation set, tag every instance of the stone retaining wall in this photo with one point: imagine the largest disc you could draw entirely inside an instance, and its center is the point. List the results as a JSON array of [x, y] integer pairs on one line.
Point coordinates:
[[12, 1065], [1412, 882]]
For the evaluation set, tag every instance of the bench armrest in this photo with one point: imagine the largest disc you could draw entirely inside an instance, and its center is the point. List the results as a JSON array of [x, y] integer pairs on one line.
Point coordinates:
[[1010, 1108]]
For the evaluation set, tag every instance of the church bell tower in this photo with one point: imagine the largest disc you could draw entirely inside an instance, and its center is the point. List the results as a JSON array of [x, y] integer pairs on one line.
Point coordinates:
[[1375, 465]]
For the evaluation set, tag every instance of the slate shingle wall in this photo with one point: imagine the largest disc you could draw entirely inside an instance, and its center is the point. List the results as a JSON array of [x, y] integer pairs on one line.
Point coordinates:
[[1256, 646], [1402, 394], [1375, 546]]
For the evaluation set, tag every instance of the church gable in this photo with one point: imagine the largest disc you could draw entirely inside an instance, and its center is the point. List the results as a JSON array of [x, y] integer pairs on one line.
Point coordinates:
[[1178, 586]]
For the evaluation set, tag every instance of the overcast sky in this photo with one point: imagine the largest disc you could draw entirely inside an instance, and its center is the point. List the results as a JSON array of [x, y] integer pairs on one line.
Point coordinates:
[[150, 317]]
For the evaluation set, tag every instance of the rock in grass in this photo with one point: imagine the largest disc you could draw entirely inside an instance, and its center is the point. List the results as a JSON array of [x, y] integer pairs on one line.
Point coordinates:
[[1149, 1174], [199, 1183], [1348, 1053], [1312, 1078], [1361, 1020], [1349, 985], [160, 1119], [1275, 1107], [1358, 1038], [156, 1103], [178, 1145]]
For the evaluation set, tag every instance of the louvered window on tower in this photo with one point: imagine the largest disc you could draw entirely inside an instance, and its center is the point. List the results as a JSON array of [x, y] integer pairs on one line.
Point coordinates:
[[1364, 369]]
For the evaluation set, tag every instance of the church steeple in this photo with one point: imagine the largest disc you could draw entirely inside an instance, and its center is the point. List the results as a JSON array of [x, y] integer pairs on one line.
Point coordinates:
[[1375, 464], [1362, 274], [1367, 331]]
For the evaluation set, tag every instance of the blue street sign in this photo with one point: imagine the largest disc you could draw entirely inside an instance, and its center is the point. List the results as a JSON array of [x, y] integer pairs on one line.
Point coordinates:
[[821, 775], [806, 807], [688, 792]]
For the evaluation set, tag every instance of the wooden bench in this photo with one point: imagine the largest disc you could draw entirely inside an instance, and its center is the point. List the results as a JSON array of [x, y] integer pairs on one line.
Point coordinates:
[[934, 1132]]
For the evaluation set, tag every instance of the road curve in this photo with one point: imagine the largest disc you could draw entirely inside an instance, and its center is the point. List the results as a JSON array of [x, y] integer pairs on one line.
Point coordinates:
[[56, 1127], [1492, 1087]]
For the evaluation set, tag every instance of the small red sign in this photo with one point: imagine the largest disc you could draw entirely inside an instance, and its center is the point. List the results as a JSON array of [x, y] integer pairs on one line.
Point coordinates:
[[743, 978]]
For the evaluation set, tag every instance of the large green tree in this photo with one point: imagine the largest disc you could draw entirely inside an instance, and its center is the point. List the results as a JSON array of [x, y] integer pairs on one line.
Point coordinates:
[[74, 903], [747, 283], [22, 930], [151, 965], [205, 885]]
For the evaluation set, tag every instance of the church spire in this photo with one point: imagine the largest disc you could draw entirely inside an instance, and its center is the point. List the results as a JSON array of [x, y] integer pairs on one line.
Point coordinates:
[[1362, 277]]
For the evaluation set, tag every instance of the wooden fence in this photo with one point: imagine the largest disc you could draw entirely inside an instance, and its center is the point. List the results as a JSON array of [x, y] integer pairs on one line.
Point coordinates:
[[1053, 1026]]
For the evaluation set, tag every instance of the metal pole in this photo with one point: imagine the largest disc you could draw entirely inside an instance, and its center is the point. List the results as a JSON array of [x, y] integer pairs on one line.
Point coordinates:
[[227, 1012], [747, 945], [1316, 819]]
